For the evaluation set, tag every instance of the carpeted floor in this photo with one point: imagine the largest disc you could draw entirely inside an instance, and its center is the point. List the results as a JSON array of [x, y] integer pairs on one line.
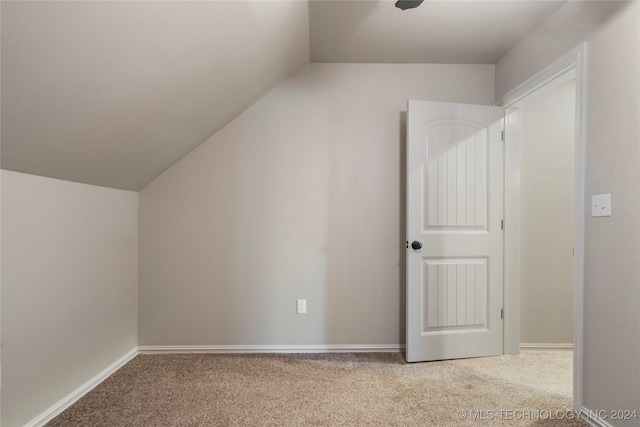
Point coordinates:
[[340, 389]]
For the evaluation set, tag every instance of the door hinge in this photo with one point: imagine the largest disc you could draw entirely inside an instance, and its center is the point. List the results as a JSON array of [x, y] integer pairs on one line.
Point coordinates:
[[502, 224], [502, 313], [502, 135]]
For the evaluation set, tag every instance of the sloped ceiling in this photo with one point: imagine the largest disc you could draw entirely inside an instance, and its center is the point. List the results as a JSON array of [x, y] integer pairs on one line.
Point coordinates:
[[113, 93]]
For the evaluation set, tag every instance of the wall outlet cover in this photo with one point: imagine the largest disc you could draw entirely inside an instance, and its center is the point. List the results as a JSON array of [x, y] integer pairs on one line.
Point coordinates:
[[301, 306], [601, 205]]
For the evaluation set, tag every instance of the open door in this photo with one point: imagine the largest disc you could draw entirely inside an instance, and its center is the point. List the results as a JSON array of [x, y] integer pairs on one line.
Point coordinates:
[[455, 205]]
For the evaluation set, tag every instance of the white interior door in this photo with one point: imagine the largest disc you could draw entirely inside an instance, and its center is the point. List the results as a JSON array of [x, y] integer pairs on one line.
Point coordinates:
[[455, 199]]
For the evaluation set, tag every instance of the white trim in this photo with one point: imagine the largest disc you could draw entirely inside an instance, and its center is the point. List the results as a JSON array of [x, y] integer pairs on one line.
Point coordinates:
[[572, 61], [549, 73], [351, 348], [579, 225], [546, 346], [73, 397], [588, 416], [511, 236]]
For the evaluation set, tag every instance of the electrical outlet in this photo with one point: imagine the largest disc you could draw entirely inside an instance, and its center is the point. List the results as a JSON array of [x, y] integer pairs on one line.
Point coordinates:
[[301, 306], [601, 205]]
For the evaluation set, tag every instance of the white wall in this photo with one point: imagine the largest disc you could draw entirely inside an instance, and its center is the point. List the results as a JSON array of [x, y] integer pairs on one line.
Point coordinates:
[[302, 196], [69, 288], [546, 221], [573, 23], [612, 271], [612, 246]]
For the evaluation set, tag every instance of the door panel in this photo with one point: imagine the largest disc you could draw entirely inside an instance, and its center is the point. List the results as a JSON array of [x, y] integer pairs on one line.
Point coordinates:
[[455, 293], [456, 174], [455, 209]]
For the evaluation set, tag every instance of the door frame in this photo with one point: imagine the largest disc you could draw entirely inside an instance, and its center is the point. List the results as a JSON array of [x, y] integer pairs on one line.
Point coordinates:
[[573, 63]]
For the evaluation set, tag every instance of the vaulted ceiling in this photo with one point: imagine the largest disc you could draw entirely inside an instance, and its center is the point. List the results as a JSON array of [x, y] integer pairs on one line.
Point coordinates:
[[114, 93]]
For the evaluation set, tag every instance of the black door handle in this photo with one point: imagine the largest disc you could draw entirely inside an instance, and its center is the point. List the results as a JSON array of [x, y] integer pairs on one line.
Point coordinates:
[[416, 245]]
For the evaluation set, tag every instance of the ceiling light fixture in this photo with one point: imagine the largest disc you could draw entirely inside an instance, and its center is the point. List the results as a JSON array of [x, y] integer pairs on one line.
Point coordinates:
[[408, 4]]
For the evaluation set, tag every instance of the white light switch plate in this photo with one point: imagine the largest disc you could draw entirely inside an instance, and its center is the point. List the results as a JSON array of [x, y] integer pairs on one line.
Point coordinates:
[[301, 306], [601, 205]]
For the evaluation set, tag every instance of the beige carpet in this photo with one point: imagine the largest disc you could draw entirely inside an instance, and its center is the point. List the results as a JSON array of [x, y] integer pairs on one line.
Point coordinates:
[[329, 390]]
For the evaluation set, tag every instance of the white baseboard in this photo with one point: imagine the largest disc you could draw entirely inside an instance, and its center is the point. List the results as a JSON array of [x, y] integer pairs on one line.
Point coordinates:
[[63, 404], [546, 346], [592, 418], [350, 348]]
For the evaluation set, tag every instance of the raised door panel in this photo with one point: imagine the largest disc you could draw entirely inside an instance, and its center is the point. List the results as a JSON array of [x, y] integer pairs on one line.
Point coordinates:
[[454, 293], [455, 185]]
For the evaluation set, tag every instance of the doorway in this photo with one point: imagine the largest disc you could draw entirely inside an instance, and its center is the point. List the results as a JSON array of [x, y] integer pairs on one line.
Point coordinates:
[[569, 66], [547, 168]]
